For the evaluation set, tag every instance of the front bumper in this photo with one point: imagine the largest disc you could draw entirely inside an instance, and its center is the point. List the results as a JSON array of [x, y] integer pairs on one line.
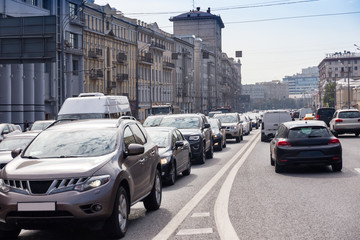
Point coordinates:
[[67, 207]]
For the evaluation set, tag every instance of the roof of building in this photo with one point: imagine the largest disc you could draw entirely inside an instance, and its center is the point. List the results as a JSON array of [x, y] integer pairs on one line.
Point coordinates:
[[198, 15]]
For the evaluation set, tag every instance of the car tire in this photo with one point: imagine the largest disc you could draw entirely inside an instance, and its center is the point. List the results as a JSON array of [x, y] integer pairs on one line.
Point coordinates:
[[241, 137], [202, 155], [272, 162], [116, 225], [220, 147], [357, 134], [263, 138], [237, 139], [278, 168], [153, 201], [8, 233], [336, 167], [173, 173], [224, 146], [210, 152], [187, 171]]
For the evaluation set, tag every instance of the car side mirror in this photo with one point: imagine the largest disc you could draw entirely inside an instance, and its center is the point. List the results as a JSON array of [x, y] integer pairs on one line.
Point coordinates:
[[6, 131], [135, 149], [207, 125], [179, 144], [293, 119], [16, 152]]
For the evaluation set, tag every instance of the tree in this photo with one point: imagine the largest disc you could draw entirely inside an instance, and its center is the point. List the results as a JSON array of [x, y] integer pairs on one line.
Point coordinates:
[[329, 95]]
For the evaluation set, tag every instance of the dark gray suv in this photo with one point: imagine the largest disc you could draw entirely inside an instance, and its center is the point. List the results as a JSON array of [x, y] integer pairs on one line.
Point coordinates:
[[196, 129], [89, 172]]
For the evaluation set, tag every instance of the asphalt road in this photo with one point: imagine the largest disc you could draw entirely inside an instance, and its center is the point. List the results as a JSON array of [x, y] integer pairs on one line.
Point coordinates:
[[238, 192]]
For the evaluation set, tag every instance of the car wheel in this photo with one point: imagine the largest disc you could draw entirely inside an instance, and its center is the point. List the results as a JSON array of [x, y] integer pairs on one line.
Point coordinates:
[[278, 168], [336, 167], [356, 134], [210, 152], [153, 201], [241, 137], [8, 233], [220, 146], [172, 175], [263, 138], [202, 155], [224, 146], [188, 169], [237, 139], [271, 160], [116, 225]]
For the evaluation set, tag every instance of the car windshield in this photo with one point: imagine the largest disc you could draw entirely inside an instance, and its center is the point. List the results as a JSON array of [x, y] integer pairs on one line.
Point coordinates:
[[40, 125], [308, 132], [152, 121], [72, 143], [181, 122], [161, 138], [350, 114], [10, 144], [226, 118]]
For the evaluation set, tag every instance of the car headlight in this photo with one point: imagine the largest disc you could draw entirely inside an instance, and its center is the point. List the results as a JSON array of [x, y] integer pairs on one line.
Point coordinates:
[[3, 187], [93, 182], [194, 138], [165, 160], [234, 127]]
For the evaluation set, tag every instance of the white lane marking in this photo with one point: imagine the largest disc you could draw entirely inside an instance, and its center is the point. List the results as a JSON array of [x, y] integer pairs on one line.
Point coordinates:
[[204, 214], [357, 169], [195, 231], [173, 224], [221, 211]]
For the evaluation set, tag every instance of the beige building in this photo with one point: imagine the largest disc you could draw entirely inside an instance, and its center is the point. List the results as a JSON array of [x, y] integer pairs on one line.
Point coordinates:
[[156, 68], [110, 50], [336, 66]]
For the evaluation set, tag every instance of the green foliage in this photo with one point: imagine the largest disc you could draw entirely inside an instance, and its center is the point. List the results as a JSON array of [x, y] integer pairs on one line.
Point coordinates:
[[329, 95]]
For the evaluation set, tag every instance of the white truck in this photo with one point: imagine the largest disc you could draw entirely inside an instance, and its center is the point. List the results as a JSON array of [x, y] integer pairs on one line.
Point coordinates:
[[94, 105]]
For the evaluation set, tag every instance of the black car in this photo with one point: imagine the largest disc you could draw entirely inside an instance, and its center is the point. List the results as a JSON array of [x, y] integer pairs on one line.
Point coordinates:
[[325, 114], [219, 134], [196, 129], [174, 150], [305, 142]]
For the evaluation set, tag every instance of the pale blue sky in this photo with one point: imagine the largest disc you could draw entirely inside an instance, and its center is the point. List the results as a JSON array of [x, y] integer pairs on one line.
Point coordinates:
[[271, 49]]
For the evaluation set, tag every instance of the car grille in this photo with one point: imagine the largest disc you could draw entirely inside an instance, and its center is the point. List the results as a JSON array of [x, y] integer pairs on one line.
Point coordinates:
[[47, 187]]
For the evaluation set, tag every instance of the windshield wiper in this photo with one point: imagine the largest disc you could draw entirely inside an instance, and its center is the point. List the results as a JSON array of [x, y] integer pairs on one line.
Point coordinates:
[[69, 156]]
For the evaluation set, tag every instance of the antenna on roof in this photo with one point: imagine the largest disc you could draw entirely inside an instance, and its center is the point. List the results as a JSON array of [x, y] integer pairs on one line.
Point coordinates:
[[193, 4]]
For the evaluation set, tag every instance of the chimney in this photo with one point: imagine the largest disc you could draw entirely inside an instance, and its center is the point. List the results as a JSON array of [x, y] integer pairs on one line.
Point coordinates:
[[198, 8], [208, 11]]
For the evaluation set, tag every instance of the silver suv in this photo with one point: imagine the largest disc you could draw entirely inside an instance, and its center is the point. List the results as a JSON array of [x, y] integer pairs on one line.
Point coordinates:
[[89, 172], [232, 124], [345, 121]]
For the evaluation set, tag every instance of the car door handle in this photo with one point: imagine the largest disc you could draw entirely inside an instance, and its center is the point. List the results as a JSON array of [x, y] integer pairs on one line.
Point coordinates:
[[153, 152], [142, 160]]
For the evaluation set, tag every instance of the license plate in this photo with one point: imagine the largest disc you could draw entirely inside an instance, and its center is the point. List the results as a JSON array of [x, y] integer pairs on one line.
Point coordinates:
[[38, 206]]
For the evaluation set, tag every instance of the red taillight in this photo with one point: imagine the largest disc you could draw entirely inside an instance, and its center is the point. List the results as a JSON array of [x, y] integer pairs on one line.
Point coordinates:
[[334, 141], [283, 143], [317, 117], [359, 120], [338, 120]]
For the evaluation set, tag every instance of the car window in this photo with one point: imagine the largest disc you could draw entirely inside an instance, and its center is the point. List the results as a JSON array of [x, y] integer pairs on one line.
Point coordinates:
[[226, 118], [174, 139], [326, 112], [152, 121], [128, 137], [10, 144], [66, 143], [308, 132], [181, 122], [138, 134], [179, 136], [281, 132], [160, 138], [350, 114]]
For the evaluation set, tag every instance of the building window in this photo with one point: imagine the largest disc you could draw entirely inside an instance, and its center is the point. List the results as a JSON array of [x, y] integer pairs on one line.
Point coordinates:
[[34, 2], [355, 68], [74, 40], [72, 10], [46, 4], [75, 64]]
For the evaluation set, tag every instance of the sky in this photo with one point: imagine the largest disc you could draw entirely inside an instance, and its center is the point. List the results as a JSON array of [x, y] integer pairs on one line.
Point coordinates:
[[278, 38]]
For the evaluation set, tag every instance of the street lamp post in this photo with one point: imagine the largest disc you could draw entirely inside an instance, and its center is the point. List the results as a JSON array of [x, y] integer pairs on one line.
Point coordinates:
[[349, 87]]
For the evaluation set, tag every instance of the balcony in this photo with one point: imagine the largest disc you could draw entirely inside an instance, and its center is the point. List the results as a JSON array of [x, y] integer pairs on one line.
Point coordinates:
[[122, 77], [121, 58], [147, 58], [95, 53], [168, 65], [157, 46], [75, 20], [96, 74]]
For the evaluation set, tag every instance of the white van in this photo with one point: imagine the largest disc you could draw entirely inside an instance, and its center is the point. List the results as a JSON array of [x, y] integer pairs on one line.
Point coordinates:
[[94, 105], [271, 121]]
